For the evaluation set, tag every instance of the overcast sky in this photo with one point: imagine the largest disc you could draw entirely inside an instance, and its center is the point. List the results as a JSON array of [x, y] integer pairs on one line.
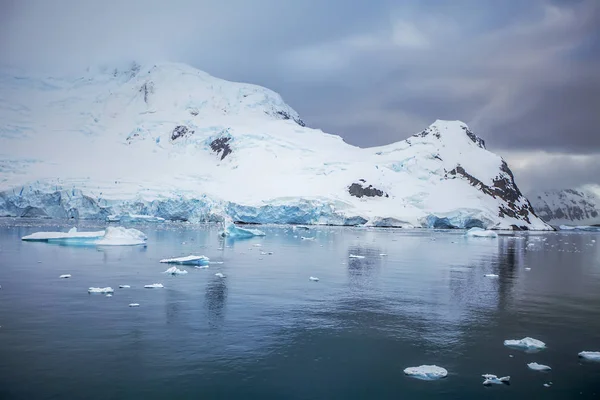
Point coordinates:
[[525, 75]]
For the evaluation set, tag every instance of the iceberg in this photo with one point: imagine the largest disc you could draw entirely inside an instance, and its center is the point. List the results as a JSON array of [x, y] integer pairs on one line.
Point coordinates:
[[491, 276], [490, 379], [154, 286], [355, 256], [109, 295], [103, 290], [175, 271], [526, 344], [232, 231], [134, 304], [538, 367], [426, 372], [73, 233], [314, 279], [119, 236], [124, 286], [219, 275], [479, 232], [189, 260], [307, 238], [65, 276], [590, 355]]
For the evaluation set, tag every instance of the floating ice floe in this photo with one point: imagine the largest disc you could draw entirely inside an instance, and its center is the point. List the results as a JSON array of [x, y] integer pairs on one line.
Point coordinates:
[[491, 276], [538, 367], [590, 355], [314, 279], [175, 271], [382, 255], [109, 295], [355, 256], [490, 379], [426, 372], [478, 232], [189, 260], [124, 286], [65, 276], [307, 238], [73, 233], [232, 231], [548, 384], [103, 290], [112, 236], [134, 304], [154, 286], [220, 275], [527, 269], [526, 344]]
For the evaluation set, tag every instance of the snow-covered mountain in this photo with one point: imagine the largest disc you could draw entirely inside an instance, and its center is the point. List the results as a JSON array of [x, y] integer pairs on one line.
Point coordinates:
[[174, 142], [568, 207]]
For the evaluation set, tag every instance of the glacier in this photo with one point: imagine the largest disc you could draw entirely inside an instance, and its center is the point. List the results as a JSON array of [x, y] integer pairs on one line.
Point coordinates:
[[186, 146]]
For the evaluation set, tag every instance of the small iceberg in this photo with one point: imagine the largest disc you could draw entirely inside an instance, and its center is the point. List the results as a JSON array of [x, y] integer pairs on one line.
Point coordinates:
[[590, 355], [426, 372], [538, 367], [189, 260], [124, 286], [109, 295], [490, 379], [220, 275], [65, 276], [491, 276], [527, 343], [175, 271], [231, 231], [307, 238], [103, 290], [478, 232], [314, 279], [112, 236], [355, 256], [154, 286], [119, 236], [73, 233], [134, 304]]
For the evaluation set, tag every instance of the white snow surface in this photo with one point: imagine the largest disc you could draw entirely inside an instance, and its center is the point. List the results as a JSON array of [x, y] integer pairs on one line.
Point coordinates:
[[103, 290], [526, 344], [590, 355], [538, 367], [478, 232], [157, 122], [188, 260], [426, 372], [119, 236], [175, 271]]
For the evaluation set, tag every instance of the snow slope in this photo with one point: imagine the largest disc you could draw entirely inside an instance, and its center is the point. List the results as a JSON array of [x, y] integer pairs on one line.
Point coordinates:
[[568, 207], [173, 142]]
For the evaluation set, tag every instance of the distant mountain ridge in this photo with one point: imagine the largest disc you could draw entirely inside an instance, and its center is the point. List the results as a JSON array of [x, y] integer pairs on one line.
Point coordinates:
[[568, 207]]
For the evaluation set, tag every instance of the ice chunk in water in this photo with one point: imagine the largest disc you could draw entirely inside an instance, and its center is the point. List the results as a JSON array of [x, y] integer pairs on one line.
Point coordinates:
[[65, 276], [134, 304], [56, 236], [314, 279], [124, 286], [119, 236], [103, 290], [154, 286], [109, 295], [307, 238], [538, 367], [426, 372], [490, 379], [526, 344], [112, 236], [220, 275], [355, 256], [189, 260], [491, 276], [175, 271], [478, 232], [232, 231], [590, 355]]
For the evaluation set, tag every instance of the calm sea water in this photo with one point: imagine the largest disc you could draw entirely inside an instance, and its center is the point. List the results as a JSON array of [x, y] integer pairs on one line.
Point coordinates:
[[266, 331]]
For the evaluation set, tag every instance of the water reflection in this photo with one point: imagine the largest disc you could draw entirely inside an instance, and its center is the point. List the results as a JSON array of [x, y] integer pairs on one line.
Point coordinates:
[[215, 299]]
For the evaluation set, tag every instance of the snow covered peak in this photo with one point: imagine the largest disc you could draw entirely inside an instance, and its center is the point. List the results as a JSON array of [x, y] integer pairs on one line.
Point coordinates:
[[451, 131]]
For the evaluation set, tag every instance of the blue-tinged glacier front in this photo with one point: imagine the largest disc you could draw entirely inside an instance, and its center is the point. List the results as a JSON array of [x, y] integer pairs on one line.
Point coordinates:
[[171, 142]]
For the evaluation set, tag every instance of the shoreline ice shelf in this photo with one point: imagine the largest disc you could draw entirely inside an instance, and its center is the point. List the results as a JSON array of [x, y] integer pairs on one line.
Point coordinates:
[[171, 142]]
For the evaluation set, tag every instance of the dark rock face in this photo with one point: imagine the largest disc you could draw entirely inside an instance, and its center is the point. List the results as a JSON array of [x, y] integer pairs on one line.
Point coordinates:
[[504, 187], [221, 145], [360, 190], [476, 139], [147, 89], [285, 115], [181, 131]]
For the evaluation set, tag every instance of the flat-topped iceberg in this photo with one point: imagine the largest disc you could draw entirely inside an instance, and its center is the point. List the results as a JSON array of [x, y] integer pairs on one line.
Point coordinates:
[[189, 260], [527, 343], [479, 232], [426, 372], [103, 290], [112, 236], [175, 271], [590, 355], [538, 367], [490, 379], [154, 286]]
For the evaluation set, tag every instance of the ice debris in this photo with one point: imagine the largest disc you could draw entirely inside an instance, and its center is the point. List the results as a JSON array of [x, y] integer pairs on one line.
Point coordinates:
[[220, 275], [65, 276], [124, 286], [490, 379], [590, 355], [491, 276], [538, 367], [426, 372], [189, 260], [307, 238], [154, 286], [314, 279], [134, 304], [526, 344], [109, 295], [355, 256], [175, 271], [103, 290], [478, 232]]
